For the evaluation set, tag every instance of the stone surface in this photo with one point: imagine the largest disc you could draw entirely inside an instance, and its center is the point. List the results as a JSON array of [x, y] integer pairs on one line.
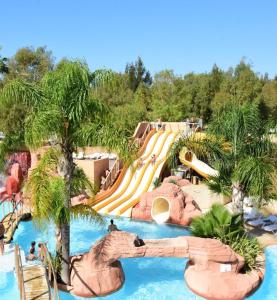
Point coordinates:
[[182, 208], [99, 272], [203, 196], [13, 183]]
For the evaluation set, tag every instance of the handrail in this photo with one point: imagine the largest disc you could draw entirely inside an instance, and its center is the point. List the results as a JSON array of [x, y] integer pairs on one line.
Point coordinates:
[[19, 272], [15, 211], [47, 260], [109, 180]]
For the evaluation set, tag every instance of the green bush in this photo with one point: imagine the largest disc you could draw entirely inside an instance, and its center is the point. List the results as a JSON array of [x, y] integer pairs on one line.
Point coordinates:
[[157, 182], [220, 224], [173, 181]]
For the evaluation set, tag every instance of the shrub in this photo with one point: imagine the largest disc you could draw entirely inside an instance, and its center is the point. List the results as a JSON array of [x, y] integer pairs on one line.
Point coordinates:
[[157, 182], [220, 224], [173, 181]]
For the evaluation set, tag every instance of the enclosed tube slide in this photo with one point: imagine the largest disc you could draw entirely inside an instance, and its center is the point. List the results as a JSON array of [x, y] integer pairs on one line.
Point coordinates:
[[160, 210], [189, 159]]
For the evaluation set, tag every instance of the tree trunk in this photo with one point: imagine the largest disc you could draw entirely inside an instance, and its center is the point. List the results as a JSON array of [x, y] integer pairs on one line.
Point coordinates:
[[237, 199], [65, 253], [58, 239], [65, 170]]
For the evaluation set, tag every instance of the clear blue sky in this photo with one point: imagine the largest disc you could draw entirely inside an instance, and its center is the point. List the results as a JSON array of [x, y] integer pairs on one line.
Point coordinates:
[[183, 35]]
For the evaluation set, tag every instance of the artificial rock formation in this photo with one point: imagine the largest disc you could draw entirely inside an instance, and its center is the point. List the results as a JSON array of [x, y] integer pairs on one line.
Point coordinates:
[[212, 270], [182, 209], [13, 183]]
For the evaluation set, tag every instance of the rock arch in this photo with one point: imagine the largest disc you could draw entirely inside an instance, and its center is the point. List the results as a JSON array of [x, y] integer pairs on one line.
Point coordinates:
[[213, 269]]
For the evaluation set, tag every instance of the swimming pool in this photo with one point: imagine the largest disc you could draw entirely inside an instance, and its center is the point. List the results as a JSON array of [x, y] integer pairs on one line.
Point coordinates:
[[146, 278]]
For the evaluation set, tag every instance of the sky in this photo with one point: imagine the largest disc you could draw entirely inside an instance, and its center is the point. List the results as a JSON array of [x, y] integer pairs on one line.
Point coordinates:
[[183, 35]]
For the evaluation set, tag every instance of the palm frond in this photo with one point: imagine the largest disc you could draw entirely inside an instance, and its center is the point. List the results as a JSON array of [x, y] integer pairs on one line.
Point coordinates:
[[42, 126], [88, 213], [256, 174], [47, 190], [68, 87], [22, 91], [108, 137], [80, 183], [101, 77]]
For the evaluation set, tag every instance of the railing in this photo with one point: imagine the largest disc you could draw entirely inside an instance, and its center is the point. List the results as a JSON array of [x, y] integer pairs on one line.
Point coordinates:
[[111, 177], [142, 139], [17, 209], [5, 207], [19, 272], [51, 274]]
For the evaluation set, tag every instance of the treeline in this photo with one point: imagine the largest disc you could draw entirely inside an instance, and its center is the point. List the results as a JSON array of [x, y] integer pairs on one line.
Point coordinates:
[[136, 95]]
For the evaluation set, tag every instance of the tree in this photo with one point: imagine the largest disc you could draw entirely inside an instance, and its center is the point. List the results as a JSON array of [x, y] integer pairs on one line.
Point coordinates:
[[238, 146], [269, 99], [167, 97], [3, 65], [61, 110], [137, 74], [30, 64], [250, 157]]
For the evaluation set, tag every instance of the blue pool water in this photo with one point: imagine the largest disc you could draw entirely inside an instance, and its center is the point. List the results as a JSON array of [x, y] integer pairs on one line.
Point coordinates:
[[146, 278]]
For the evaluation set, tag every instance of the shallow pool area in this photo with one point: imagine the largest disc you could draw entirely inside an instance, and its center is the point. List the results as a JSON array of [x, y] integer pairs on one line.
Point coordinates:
[[145, 278]]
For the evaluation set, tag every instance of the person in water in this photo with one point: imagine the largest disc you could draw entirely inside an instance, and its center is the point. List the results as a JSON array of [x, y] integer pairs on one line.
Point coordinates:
[[138, 242], [2, 232], [40, 253], [112, 227], [31, 255], [33, 246]]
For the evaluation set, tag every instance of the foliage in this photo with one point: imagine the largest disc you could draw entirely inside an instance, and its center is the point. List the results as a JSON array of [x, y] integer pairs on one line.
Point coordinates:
[[157, 182], [137, 74], [3, 65], [80, 184], [173, 181], [246, 247], [237, 145], [47, 193], [220, 224], [30, 64], [217, 223]]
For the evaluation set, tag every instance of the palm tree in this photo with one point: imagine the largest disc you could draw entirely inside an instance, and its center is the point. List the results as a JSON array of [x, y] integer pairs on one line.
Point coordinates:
[[61, 110], [237, 145]]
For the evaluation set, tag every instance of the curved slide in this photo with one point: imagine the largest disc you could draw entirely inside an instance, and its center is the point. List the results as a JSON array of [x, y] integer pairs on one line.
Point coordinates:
[[189, 159], [138, 179]]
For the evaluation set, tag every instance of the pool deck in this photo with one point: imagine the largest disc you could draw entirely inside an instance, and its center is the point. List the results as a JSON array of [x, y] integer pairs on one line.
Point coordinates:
[[265, 239]]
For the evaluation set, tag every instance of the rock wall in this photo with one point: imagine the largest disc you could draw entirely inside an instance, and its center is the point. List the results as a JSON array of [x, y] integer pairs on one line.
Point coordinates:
[[213, 270], [182, 208]]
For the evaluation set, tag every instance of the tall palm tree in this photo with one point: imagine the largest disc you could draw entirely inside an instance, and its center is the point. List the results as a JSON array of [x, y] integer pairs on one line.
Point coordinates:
[[61, 110], [237, 145]]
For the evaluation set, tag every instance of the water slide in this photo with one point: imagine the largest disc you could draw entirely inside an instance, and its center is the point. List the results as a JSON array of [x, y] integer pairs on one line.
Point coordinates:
[[138, 179], [189, 159]]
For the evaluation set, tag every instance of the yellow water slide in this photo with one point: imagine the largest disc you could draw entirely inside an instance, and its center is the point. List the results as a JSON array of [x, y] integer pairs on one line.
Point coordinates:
[[137, 179], [189, 159]]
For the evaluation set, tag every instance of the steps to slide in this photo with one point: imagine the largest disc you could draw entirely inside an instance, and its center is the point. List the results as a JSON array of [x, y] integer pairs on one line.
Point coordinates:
[[138, 180], [190, 160]]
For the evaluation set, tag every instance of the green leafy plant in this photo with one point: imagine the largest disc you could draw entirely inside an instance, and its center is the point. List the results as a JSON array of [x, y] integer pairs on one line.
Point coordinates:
[[157, 182], [220, 224], [173, 181]]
